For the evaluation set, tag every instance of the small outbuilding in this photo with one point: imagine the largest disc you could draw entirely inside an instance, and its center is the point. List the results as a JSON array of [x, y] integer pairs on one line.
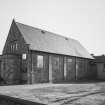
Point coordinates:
[[99, 65], [32, 55]]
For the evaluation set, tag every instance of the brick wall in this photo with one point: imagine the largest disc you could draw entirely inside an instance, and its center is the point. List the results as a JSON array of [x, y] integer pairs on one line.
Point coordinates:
[[11, 69], [15, 43], [55, 66]]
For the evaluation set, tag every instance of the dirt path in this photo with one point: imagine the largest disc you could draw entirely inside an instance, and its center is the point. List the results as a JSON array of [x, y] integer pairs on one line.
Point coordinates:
[[59, 94]]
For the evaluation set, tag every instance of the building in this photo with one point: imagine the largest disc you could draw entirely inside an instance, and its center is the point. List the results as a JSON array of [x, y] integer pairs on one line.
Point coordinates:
[[33, 55], [99, 66]]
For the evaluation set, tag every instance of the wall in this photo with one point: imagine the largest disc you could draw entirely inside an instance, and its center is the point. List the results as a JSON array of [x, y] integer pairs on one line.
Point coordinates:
[[15, 43], [10, 70], [57, 68], [100, 71], [39, 75], [51, 71]]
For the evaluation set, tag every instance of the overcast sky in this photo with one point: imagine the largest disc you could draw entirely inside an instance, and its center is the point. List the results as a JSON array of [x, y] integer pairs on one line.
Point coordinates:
[[83, 20]]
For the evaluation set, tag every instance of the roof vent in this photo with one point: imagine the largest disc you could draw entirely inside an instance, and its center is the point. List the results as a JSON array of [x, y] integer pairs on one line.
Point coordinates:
[[42, 31], [92, 54], [66, 38]]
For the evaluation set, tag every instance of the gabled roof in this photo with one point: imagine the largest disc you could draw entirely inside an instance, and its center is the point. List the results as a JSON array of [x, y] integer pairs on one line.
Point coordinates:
[[42, 40]]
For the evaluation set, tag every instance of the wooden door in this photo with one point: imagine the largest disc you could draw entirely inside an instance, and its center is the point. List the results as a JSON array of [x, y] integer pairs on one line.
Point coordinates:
[[57, 69], [70, 69], [40, 72], [80, 69]]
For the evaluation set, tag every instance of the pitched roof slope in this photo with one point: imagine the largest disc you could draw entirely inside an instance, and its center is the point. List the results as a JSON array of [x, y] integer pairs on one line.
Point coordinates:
[[42, 40]]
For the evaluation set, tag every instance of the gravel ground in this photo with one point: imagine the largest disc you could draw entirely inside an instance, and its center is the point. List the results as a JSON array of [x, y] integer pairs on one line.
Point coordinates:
[[59, 94]]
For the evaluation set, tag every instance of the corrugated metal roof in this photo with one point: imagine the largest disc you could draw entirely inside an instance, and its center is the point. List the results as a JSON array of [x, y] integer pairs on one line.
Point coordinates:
[[42, 40]]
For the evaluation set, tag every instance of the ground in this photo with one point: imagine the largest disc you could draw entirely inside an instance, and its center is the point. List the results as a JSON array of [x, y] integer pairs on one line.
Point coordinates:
[[59, 94]]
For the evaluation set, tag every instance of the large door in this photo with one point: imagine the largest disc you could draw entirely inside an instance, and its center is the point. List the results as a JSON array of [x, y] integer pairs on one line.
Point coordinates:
[[57, 69], [70, 69], [80, 69], [40, 72]]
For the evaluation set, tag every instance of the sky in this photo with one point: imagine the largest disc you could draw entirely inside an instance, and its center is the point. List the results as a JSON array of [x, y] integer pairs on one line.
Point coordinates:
[[83, 20]]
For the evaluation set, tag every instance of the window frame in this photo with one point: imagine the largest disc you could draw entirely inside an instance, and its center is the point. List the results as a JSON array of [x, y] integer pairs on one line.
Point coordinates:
[[24, 56], [40, 62]]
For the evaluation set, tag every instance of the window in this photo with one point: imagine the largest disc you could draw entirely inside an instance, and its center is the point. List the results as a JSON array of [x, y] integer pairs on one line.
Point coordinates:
[[39, 61], [69, 60], [12, 47], [24, 56]]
